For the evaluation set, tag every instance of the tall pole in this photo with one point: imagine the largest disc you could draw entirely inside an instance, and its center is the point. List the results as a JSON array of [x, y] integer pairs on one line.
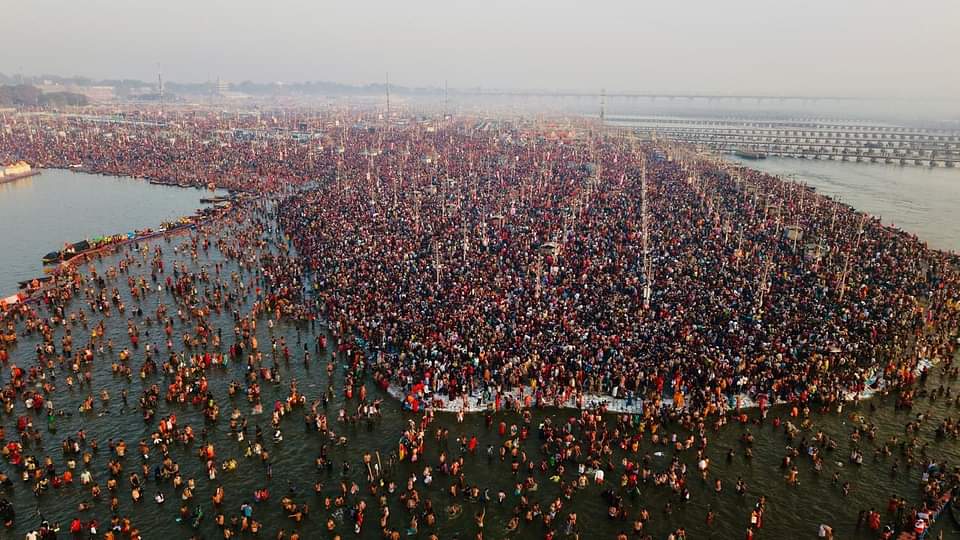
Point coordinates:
[[846, 263], [464, 227], [738, 253], [396, 188], [436, 261], [779, 220], [644, 224], [766, 275], [833, 220], [539, 270], [160, 89]]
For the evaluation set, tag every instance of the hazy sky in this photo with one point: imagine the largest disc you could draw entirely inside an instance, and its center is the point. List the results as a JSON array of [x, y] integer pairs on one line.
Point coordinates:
[[875, 47]]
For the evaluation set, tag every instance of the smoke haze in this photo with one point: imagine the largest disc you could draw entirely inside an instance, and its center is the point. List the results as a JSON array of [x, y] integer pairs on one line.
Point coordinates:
[[811, 47]]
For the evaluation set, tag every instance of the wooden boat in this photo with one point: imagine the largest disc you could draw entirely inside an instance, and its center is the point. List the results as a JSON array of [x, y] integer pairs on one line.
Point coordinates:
[[106, 242], [67, 253], [74, 250], [27, 283], [214, 200], [52, 257]]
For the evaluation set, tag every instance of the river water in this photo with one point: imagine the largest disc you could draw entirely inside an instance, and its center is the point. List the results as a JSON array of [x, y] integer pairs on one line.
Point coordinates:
[[792, 512], [40, 213], [922, 200]]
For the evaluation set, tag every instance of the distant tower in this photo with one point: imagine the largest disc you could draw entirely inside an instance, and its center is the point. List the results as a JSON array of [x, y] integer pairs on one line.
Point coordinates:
[[160, 89], [222, 87], [388, 94], [603, 105]]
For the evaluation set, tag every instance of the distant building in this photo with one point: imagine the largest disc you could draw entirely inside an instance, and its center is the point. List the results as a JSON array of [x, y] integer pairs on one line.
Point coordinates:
[[93, 93], [98, 93], [138, 91]]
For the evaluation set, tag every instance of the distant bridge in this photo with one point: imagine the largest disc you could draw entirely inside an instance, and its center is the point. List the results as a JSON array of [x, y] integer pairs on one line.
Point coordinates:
[[696, 96], [851, 142], [798, 127]]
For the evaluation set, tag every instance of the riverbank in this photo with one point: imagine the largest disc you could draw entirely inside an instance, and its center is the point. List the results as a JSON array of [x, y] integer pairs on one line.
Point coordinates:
[[65, 267], [920, 201], [62, 205], [477, 402]]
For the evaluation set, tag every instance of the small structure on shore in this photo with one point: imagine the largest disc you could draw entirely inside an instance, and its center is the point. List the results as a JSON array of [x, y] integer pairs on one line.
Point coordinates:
[[15, 171], [813, 252], [549, 249], [793, 233]]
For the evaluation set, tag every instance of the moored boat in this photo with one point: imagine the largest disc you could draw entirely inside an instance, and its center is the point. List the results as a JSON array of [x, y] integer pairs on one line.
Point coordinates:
[[52, 257], [83, 246], [33, 283]]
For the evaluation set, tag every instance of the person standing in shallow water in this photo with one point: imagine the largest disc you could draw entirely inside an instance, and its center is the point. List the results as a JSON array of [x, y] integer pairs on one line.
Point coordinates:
[[578, 367]]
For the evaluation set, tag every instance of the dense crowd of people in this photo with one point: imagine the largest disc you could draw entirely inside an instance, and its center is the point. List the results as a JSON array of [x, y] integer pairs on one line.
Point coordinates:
[[467, 267], [466, 278], [188, 147]]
